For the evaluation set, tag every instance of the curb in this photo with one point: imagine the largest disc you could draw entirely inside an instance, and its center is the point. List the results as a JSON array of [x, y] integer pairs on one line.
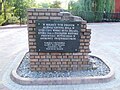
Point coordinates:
[[61, 81], [13, 26]]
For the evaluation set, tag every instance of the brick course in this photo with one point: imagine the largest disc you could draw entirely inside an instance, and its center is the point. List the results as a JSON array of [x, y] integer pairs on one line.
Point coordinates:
[[57, 61]]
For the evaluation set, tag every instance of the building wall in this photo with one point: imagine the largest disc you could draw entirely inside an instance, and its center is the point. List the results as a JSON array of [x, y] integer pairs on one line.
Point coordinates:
[[117, 6]]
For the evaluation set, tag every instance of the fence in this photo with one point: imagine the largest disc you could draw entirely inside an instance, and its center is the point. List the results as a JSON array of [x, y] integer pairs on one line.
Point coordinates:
[[98, 16]]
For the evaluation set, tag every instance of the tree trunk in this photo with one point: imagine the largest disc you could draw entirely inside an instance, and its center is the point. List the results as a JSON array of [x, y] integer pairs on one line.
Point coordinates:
[[0, 8], [4, 10]]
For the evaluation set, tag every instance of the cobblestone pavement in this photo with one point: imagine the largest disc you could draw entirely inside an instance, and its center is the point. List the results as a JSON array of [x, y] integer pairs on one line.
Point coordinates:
[[105, 43]]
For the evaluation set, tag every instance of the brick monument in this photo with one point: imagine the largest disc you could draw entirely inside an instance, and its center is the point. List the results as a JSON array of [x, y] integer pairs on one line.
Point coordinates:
[[57, 40]]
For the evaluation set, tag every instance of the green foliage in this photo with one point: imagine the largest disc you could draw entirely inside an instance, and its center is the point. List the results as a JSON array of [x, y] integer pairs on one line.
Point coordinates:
[[23, 20], [2, 19], [90, 9], [43, 5], [0, 8], [12, 11], [12, 20], [109, 7], [21, 7], [56, 4]]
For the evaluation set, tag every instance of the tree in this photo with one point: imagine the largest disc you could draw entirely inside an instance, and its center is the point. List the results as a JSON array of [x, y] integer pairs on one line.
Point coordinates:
[[91, 9], [44, 5], [0, 7], [56, 4], [21, 6], [14, 9]]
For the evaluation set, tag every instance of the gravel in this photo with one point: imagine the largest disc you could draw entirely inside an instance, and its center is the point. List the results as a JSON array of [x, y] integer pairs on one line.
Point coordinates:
[[99, 69]]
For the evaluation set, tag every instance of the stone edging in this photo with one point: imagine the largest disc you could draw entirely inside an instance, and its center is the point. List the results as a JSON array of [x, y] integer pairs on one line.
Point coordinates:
[[10, 27], [61, 81]]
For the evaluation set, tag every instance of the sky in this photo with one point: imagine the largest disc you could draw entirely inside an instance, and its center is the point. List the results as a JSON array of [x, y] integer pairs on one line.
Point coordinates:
[[63, 2]]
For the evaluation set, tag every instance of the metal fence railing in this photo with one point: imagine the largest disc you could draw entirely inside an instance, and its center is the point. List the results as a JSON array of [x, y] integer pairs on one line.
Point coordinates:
[[115, 17]]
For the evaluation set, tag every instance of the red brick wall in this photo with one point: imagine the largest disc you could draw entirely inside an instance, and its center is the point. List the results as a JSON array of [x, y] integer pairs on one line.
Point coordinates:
[[57, 61]]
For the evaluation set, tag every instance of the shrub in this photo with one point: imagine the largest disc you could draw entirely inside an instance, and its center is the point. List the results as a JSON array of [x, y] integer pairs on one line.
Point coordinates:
[[23, 21], [13, 20]]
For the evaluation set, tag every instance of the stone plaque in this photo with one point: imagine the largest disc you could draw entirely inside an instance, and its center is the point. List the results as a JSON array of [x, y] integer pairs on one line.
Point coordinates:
[[57, 36]]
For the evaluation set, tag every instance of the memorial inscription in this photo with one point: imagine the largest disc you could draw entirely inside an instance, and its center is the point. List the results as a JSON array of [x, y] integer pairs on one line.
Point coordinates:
[[57, 36]]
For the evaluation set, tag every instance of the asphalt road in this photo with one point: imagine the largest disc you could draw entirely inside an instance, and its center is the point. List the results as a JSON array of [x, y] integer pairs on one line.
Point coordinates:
[[105, 43]]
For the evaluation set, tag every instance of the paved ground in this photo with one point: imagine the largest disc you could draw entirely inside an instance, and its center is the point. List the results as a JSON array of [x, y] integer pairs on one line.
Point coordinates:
[[12, 41], [105, 43]]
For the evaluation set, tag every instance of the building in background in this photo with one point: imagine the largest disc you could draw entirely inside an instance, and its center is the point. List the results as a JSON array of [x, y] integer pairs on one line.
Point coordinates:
[[117, 6]]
